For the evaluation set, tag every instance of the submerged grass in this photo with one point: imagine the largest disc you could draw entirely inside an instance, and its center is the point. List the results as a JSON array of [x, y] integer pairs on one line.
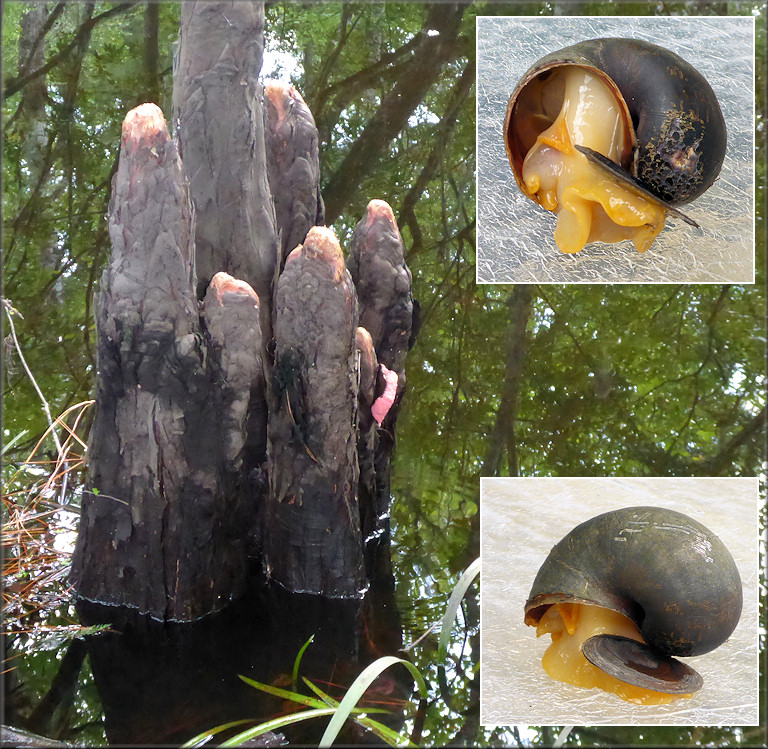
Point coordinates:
[[297, 663]]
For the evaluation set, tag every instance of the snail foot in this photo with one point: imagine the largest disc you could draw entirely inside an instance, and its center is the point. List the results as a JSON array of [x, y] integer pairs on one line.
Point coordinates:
[[614, 171]]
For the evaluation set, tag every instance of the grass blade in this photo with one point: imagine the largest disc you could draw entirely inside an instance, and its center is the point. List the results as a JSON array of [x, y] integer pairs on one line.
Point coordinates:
[[453, 605], [14, 440], [283, 694], [203, 737], [358, 687], [295, 678], [335, 703], [562, 736], [271, 725], [385, 733]]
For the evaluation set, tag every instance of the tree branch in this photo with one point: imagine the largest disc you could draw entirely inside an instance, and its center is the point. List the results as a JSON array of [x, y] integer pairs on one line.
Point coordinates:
[[443, 133], [386, 68], [152, 51], [44, 29], [84, 32], [718, 463], [345, 31], [433, 50]]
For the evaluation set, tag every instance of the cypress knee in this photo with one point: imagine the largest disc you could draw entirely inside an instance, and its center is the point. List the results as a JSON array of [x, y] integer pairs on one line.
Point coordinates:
[[312, 541], [377, 265], [161, 527], [293, 164], [382, 278]]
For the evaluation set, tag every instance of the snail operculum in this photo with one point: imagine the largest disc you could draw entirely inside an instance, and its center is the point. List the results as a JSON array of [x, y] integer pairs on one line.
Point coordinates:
[[666, 146], [624, 592], [617, 656]]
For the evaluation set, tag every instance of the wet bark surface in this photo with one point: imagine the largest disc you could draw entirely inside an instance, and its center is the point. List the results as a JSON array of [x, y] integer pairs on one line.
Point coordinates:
[[314, 542], [377, 265], [293, 165], [217, 102]]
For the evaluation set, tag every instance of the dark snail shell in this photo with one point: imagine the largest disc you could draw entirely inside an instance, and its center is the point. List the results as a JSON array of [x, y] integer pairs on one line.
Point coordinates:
[[665, 571], [678, 131]]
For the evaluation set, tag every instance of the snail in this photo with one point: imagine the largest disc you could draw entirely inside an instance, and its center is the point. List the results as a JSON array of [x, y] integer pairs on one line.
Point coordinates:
[[624, 592], [612, 135]]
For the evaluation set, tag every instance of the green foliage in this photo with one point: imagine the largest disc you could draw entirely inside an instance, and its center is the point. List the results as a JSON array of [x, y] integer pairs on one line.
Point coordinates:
[[355, 693], [297, 662], [319, 708], [55, 234]]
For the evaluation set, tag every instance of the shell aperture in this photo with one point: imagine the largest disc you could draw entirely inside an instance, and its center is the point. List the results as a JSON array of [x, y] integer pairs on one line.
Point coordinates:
[[613, 654]]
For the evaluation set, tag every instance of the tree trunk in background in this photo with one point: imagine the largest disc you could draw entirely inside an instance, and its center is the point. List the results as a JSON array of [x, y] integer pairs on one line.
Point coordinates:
[[30, 125], [218, 112], [460, 93], [205, 457], [32, 107], [520, 305]]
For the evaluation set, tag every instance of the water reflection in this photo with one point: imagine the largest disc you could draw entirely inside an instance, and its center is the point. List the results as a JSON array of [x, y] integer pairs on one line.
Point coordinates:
[[164, 683]]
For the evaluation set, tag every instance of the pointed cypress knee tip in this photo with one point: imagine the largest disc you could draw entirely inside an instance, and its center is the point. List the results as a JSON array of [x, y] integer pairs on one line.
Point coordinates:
[[368, 364], [276, 92], [364, 342], [144, 122], [321, 243], [222, 284], [380, 209]]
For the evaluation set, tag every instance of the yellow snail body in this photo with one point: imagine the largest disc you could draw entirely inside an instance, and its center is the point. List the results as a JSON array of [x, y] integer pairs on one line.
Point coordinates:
[[612, 134]]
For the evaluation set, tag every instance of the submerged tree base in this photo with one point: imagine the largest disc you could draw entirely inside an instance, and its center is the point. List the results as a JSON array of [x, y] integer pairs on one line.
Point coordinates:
[[163, 683]]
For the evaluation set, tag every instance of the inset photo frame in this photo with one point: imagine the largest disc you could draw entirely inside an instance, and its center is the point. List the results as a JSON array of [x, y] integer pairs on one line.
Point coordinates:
[[713, 242], [522, 519]]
